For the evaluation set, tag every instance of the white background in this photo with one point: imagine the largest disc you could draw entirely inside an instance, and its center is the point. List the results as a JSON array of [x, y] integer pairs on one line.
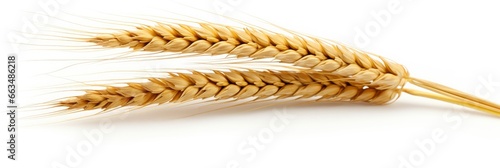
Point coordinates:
[[451, 42]]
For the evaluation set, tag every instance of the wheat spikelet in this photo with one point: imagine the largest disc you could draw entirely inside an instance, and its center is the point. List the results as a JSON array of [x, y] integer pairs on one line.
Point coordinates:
[[234, 84], [215, 39]]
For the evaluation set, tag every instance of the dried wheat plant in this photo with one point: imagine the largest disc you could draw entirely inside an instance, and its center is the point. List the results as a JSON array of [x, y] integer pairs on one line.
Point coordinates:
[[329, 71]]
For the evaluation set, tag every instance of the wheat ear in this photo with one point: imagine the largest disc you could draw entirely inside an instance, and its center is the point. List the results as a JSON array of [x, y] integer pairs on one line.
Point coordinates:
[[304, 52], [181, 87]]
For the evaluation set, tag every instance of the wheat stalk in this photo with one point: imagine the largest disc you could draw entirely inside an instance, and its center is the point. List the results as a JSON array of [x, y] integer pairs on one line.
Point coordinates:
[[333, 71], [181, 87]]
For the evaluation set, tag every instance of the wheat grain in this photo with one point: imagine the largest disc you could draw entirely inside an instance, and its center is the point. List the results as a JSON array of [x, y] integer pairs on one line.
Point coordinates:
[[215, 39], [234, 84]]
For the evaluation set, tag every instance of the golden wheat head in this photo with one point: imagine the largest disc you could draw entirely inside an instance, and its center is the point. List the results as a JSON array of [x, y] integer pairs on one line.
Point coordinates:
[[331, 71]]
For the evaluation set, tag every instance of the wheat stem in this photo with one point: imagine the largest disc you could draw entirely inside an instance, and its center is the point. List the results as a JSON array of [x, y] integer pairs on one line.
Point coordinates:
[[451, 95]]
